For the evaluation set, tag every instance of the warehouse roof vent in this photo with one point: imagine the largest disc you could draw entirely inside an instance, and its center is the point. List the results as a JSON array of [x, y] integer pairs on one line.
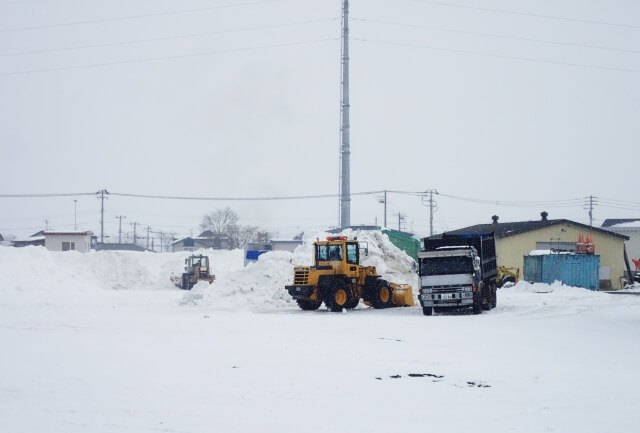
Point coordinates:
[[544, 215]]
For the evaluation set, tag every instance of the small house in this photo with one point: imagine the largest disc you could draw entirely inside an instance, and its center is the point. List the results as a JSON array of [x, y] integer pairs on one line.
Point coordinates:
[[68, 241]]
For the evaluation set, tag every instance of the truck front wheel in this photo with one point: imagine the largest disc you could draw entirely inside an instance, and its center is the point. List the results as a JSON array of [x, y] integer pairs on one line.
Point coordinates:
[[477, 302], [427, 311]]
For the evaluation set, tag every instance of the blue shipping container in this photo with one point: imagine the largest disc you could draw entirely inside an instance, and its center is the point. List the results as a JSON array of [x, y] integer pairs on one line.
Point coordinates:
[[578, 270]]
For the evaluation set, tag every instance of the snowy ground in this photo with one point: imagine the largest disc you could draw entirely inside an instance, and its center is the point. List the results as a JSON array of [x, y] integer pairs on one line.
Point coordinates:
[[102, 342]]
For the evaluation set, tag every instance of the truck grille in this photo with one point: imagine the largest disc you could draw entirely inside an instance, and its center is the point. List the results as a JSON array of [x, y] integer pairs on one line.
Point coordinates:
[[301, 276]]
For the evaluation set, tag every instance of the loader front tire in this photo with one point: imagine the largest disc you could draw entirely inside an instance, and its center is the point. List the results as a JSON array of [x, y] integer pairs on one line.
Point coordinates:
[[383, 295], [308, 305]]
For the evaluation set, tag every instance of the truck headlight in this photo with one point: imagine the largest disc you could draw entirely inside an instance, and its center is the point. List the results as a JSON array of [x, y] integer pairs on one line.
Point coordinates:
[[426, 291], [467, 289]]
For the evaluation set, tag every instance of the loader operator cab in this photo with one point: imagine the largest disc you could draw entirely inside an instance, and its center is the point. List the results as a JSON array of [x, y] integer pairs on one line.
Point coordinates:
[[333, 251], [197, 261]]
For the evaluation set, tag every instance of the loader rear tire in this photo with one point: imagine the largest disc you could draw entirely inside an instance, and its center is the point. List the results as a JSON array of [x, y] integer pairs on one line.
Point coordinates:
[[383, 296], [337, 299], [308, 305]]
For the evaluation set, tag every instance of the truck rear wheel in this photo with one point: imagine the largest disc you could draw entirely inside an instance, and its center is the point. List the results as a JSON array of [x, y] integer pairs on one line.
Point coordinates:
[[494, 297], [308, 305]]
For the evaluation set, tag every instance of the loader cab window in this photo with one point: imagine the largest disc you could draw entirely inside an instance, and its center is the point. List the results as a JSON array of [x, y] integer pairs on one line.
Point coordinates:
[[329, 252], [352, 253]]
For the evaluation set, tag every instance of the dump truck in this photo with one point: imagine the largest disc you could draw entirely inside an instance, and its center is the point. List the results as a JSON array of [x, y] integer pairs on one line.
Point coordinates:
[[196, 268], [337, 279], [457, 271]]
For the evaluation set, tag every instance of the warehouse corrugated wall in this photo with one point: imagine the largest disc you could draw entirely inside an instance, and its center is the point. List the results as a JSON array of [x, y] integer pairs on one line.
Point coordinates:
[[578, 270]]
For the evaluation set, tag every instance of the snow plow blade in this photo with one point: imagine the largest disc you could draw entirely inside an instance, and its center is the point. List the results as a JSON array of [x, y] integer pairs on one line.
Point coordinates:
[[402, 295]]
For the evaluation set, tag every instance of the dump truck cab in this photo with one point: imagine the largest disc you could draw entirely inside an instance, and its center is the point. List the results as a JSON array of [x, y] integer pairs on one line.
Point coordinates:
[[458, 271], [337, 279]]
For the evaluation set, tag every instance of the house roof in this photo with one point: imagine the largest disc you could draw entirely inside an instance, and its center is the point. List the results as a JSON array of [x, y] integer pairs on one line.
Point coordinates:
[[71, 233], [609, 222], [504, 230], [195, 238], [118, 247]]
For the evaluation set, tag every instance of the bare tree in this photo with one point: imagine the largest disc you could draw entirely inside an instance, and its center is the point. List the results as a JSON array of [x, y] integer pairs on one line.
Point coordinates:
[[224, 223], [219, 221]]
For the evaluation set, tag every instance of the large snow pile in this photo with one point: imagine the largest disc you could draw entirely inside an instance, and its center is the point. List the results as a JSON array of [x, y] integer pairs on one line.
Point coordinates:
[[258, 286]]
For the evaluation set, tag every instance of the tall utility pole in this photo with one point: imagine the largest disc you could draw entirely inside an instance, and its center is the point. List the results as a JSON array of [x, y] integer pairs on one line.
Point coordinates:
[[384, 200], [345, 180], [135, 238], [120, 228], [75, 215], [401, 217], [433, 206], [102, 193], [590, 202], [148, 230]]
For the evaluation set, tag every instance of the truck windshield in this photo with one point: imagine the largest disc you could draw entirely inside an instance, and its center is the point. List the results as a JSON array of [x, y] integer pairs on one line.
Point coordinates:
[[446, 265]]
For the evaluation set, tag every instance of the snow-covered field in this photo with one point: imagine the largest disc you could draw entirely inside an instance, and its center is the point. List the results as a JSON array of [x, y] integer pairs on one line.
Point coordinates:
[[103, 342]]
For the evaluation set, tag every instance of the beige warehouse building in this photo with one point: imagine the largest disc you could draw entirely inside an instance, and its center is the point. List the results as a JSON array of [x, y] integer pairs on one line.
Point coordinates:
[[514, 240]]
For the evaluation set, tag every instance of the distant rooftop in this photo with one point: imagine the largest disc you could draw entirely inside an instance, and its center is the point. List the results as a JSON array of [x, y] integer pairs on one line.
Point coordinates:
[[629, 222], [504, 230]]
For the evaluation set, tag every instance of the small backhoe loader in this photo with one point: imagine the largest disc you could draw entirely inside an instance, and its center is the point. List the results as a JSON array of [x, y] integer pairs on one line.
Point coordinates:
[[338, 280]]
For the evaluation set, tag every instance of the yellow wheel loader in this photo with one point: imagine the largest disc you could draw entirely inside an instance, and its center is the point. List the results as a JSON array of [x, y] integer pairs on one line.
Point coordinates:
[[338, 280], [196, 268], [507, 276]]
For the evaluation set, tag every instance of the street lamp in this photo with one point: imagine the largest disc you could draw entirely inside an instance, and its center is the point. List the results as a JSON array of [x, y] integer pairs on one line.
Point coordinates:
[[75, 214]]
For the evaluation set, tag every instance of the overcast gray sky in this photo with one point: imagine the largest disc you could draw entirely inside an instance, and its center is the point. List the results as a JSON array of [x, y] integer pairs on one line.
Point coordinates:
[[488, 99]]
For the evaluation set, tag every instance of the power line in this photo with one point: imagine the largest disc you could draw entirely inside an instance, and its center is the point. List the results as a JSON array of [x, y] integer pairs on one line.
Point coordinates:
[[494, 35], [153, 59], [69, 194], [526, 14], [167, 38], [501, 56], [547, 203], [134, 17]]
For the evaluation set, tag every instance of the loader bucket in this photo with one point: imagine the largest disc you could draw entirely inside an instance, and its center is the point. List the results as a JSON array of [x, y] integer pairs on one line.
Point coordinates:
[[402, 295]]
